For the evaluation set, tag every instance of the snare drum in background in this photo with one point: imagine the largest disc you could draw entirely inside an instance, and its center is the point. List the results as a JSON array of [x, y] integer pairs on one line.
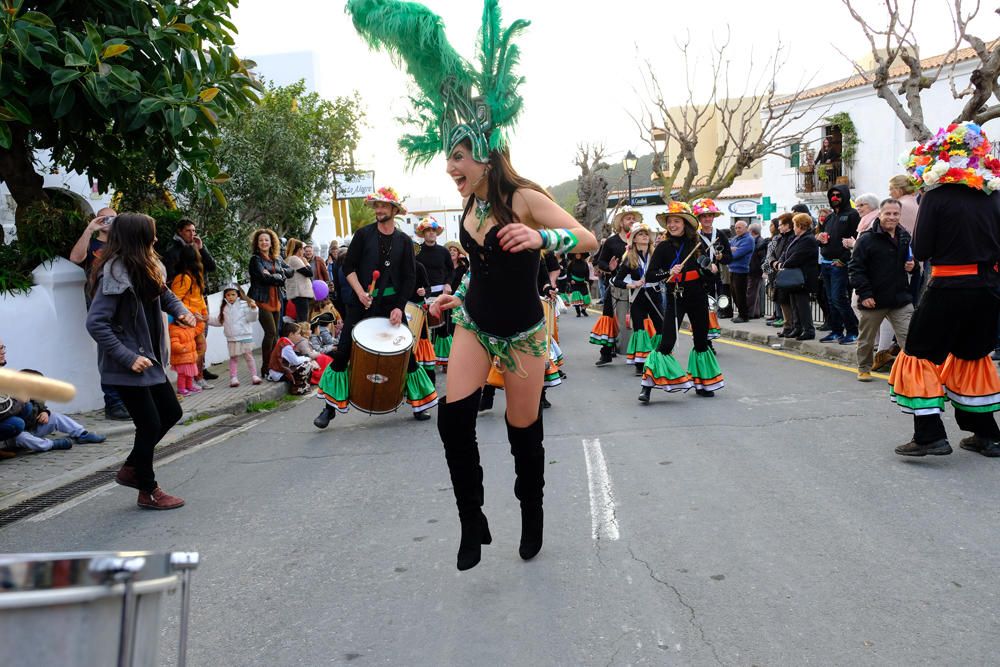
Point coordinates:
[[433, 321], [90, 608], [414, 318], [379, 359]]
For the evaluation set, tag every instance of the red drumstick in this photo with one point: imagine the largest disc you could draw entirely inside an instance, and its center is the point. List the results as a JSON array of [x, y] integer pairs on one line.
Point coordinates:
[[371, 288]]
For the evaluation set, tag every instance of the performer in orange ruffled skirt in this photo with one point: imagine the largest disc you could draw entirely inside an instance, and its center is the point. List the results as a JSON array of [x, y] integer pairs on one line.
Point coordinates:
[[954, 329]]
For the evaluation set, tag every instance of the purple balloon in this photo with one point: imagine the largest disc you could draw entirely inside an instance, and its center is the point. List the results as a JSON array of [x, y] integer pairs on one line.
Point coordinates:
[[320, 290]]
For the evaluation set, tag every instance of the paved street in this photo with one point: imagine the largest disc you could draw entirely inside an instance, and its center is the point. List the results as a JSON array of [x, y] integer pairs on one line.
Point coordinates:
[[771, 525]]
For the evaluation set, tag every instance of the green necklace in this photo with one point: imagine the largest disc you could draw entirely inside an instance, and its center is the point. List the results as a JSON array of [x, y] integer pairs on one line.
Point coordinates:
[[483, 209]]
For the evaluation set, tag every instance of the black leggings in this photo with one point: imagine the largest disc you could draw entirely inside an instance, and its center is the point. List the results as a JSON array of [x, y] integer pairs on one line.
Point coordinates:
[[270, 322], [646, 304], [154, 411], [693, 302]]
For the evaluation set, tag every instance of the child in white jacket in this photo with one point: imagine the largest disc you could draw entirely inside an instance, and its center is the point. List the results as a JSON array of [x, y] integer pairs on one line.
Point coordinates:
[[236, 317]]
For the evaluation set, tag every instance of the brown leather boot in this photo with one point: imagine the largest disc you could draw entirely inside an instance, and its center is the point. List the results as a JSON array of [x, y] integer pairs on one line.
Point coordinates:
[[158, 499]]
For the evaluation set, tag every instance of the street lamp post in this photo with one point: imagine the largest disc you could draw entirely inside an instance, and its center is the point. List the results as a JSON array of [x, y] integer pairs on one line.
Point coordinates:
[[629, 164]]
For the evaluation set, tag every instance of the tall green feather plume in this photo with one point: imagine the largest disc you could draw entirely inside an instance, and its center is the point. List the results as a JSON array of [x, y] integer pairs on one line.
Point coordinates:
[[414, 36]]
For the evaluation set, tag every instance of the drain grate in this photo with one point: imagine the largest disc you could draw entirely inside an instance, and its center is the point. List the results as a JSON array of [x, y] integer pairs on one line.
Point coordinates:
[[50, 499]]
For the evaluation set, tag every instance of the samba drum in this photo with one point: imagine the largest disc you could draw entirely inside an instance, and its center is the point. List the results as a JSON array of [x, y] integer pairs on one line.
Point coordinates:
[[414, 318], [379, 360], [90, 608], [433, 322]]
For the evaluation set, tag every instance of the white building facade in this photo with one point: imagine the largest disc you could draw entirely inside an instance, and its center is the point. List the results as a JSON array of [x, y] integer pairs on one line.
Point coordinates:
[[882, 138]]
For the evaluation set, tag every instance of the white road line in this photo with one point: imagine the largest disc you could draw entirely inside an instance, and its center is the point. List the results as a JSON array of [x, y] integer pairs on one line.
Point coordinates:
[[603, 519], [93, 493]]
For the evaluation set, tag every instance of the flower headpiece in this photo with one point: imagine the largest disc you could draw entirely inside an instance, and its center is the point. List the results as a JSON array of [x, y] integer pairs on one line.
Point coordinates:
[[428, 224], [454, 100], [957, 154], [679, 209], [388, 196], [704, 206]]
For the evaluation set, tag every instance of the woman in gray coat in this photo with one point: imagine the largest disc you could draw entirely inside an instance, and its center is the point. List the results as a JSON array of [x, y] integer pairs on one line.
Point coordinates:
[[125, 318]]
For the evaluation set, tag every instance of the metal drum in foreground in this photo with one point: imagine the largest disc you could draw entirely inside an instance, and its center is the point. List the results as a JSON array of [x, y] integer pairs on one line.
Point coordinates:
[[90, 608], [379, 360]]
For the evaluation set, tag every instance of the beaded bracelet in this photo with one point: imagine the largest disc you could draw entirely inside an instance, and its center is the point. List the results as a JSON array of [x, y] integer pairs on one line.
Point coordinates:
[[558, 240]]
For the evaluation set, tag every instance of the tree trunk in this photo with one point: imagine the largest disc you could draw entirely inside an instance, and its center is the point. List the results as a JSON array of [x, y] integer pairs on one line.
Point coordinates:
[[17, 170]]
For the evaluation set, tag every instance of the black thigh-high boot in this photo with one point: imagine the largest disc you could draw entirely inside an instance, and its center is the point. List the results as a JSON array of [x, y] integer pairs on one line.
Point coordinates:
[[457, 427], [529, 468], [431, 374]]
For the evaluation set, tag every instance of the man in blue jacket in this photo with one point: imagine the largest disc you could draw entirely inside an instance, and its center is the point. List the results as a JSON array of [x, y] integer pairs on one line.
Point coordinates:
[[742, 245]]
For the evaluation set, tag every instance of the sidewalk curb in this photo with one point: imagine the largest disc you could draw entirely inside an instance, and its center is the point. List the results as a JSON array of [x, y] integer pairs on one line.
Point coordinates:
[[843, 354], [204, 418]]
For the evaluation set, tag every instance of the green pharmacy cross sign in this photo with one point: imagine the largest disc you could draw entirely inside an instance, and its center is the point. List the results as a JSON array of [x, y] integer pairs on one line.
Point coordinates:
[[766, 209]]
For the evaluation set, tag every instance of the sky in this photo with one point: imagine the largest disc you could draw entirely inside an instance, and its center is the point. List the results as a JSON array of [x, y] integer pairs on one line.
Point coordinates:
[[582, 60]]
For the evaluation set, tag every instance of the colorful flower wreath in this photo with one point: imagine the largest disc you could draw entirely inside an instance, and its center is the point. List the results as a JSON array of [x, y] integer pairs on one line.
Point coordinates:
[[959, 153], [705, 206]]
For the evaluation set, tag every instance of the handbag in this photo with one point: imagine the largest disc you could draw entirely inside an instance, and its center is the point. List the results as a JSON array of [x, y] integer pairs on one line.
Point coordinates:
[[790, 279]]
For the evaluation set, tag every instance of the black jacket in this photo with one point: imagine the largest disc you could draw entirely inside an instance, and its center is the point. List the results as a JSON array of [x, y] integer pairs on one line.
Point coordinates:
[[612, 248], [261, 282], [840, 224], [363, 259], [876, 269], [801, 253], [959, 225], [437, 260], [172, 255], [722, 249]]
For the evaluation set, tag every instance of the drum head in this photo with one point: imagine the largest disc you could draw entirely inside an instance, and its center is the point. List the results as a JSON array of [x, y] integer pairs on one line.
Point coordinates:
[[378, 335]]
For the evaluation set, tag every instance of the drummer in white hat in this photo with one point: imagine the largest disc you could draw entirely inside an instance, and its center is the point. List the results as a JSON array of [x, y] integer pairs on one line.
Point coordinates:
[[606, 331]]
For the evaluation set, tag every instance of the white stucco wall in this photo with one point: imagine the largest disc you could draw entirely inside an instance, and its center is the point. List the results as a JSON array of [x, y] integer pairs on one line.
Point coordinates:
[[882, 137], [45, 330]]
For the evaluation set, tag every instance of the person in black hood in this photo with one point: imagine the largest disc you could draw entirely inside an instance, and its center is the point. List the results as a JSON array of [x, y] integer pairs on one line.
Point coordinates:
[[879, 266], [841, 224]]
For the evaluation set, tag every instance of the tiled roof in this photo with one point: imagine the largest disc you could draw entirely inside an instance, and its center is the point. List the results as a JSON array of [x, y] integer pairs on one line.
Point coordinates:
[[895, 72]]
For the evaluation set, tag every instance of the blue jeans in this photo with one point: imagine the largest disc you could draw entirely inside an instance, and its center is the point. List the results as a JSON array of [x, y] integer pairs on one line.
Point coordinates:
[[111, 397], [841, 317], [10, 427]]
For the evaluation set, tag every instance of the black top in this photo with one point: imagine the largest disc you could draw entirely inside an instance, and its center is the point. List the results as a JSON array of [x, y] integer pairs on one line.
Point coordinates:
[[578, 270], [437, 260], [669, 252], [260, 282], [548, 263], [420, 280], [723, 251], [636, 274], [877, 267], [959, 225], [800, 253], [458, 273], [502, 298], [391, 255], [614, 247], [840, 224]]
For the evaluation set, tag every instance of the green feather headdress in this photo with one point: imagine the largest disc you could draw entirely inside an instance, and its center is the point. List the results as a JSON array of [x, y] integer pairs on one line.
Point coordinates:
[[454, 100]]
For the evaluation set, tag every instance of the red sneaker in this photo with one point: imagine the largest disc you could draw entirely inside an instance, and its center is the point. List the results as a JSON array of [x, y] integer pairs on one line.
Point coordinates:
[[158, 499]]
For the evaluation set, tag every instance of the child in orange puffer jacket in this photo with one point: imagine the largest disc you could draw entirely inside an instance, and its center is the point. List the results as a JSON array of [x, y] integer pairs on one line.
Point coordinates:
[[184, 357]]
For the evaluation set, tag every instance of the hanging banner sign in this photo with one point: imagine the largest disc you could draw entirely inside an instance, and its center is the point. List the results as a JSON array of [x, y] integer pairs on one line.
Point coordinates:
[[355, 186]]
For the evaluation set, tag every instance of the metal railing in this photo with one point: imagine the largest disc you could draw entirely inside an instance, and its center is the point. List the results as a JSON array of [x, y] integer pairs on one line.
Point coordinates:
[[819, 180]]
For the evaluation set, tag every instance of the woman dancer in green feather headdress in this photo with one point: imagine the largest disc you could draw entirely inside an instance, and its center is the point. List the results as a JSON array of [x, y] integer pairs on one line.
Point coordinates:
[[465, 112]]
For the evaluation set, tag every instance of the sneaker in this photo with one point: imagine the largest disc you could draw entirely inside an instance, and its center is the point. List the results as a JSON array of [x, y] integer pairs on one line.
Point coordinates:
[[202, 383], [117, 413], [981, 445], [126, 477], [234, 381], [864, 377], [256, 379], [185, 392], [195, 389], [209, 375], [778, 323], [61, 443], [849, 339], [936, 448], [88, 438], [158, 499], [830, 337]]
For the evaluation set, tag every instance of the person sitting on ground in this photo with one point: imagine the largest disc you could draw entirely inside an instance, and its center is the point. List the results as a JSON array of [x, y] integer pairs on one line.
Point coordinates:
[[12, 414], [322, 339], [288, 366], [41, 422]]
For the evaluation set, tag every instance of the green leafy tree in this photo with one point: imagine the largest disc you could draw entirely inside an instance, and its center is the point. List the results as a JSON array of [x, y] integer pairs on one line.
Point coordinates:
[[283, 153], [361, 214], [103, 81]]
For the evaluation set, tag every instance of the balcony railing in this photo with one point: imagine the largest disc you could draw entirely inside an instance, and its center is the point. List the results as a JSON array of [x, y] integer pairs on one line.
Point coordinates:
[[822, 177]]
